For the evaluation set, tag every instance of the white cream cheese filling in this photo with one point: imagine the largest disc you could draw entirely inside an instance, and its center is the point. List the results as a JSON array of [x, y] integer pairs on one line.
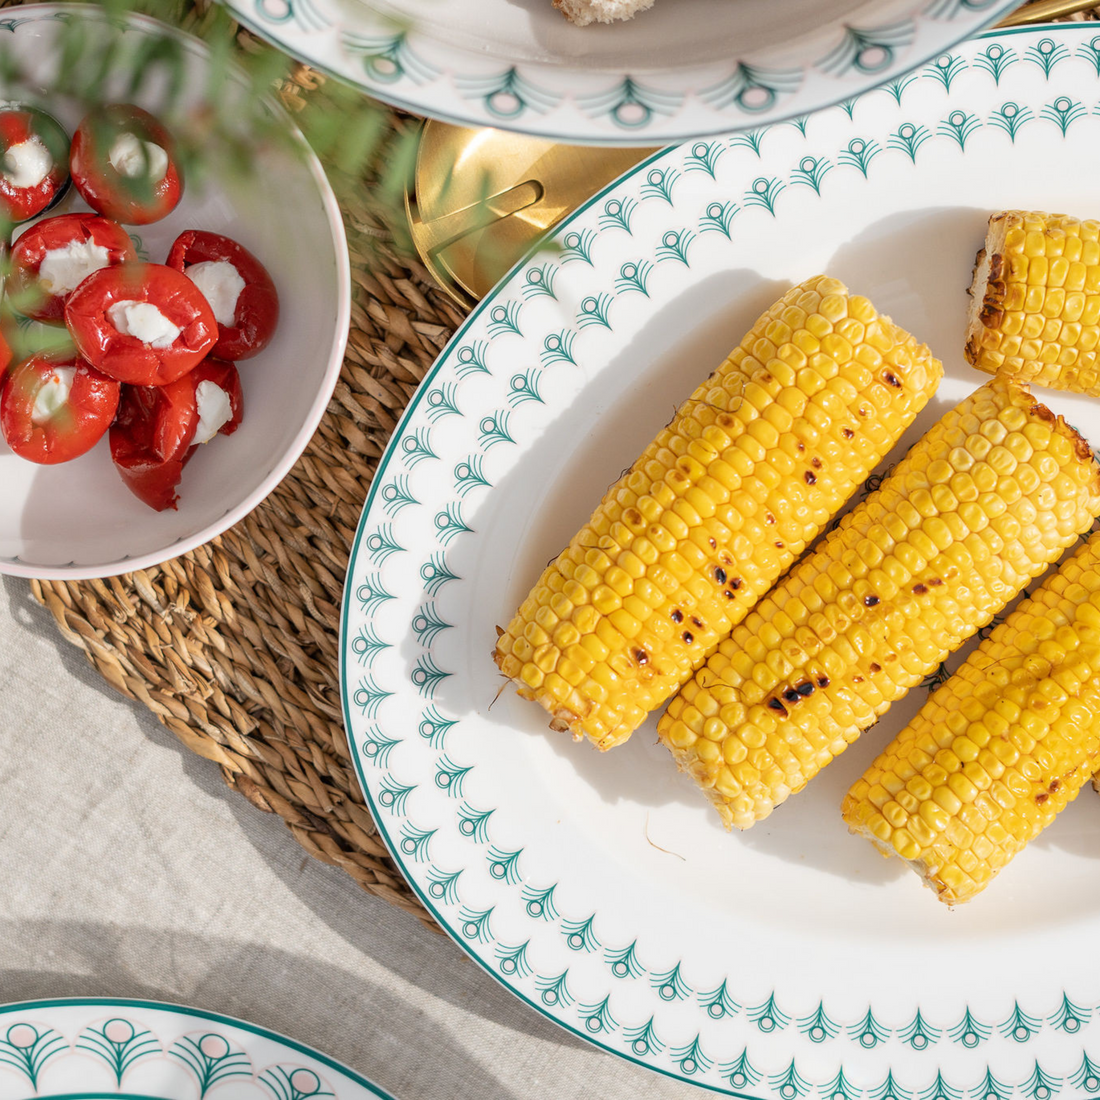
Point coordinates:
[[132, 157], [143, 321], [221, 285], [27, 164], [214, 408], [63, 269], [53, 394]]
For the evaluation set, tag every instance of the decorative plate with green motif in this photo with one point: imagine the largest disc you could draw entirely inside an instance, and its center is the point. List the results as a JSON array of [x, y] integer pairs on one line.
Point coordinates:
[[95, 1049], [789, 961], [683, 69]]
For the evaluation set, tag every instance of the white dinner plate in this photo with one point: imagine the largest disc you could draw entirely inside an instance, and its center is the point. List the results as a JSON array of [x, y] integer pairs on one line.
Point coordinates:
[[84, 1048], [791, 960], [683, 69]]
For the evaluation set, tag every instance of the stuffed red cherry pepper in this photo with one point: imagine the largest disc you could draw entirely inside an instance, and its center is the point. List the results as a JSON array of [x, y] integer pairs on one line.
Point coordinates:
[[141, 323], [237, 286], [151, 440], [123, 162], [158, 428], [54, 408], [34, 162], [52, 258]]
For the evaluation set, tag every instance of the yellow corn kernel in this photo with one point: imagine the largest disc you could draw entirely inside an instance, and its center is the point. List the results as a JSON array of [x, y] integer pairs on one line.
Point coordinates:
[[818, 680], [1053, 756], [719, 505]]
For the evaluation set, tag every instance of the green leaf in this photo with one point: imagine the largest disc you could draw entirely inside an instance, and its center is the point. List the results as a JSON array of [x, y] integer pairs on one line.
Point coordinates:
[[362, 136]]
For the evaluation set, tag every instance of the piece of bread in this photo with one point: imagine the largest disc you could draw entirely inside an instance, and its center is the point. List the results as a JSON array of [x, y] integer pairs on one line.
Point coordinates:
[[583, 12]]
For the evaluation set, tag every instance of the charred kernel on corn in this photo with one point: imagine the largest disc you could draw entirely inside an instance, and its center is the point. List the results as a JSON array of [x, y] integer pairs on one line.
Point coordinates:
[[705, 521], [981, 731], [1035, 301], [818, 626]]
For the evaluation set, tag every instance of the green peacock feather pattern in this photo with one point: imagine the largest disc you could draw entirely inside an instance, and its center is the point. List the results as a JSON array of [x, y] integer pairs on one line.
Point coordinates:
[[212, 1059], [119, 1043], [28, 1047], [295, 1083]]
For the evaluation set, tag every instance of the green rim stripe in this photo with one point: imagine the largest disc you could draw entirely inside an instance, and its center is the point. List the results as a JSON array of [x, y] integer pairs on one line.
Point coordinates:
[[95, 1096]]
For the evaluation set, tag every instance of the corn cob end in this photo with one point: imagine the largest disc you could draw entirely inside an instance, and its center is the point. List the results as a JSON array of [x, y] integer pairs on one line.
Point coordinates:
[[987, 299], [563, 718], [1035, 309], [861, 822]]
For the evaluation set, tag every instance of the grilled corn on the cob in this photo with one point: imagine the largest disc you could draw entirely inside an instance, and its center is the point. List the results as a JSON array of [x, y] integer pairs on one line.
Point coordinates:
[[748, 472], [983, 503], [1000, 748], [1035, 301]]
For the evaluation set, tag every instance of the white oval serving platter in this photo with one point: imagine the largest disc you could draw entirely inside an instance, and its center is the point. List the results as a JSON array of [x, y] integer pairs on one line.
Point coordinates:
[[791, 960]]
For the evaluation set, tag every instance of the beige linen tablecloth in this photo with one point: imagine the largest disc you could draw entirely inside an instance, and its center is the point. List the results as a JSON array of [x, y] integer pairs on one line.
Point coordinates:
[[128, 868]]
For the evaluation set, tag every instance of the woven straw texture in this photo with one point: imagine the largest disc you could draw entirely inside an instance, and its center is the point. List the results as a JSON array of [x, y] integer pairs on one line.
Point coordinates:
[[234, 647]]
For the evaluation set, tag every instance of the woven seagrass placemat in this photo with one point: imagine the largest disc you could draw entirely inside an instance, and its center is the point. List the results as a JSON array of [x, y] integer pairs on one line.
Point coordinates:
[[234, 646]]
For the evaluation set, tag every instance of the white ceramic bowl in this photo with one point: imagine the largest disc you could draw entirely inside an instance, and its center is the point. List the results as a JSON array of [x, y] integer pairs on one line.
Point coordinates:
[[78, 519]]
